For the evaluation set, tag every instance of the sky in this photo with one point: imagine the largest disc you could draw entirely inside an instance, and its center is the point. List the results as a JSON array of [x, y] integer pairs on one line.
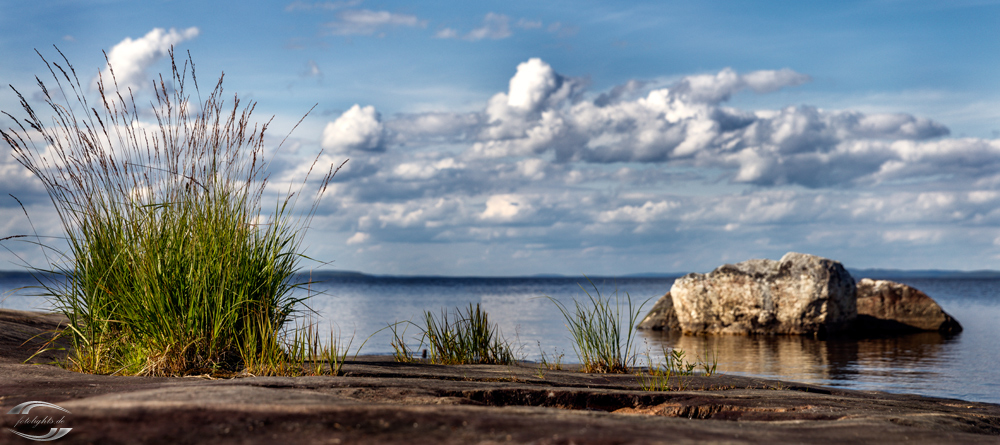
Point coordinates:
[[600, 138]]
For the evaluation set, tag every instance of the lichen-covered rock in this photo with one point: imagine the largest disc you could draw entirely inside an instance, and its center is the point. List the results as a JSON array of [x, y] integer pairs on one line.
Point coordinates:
[[662, 317], [800, 294], [887, 306]]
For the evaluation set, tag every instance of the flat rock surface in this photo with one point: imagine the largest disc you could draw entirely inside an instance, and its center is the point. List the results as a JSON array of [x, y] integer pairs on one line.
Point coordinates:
[[380, 401]]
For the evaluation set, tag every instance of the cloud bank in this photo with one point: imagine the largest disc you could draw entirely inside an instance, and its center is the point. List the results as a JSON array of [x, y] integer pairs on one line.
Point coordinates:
[[548, 175], [548, 166]]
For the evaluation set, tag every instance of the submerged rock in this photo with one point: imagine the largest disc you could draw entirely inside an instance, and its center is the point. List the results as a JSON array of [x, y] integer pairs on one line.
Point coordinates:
[[799, 294], [887, 306]]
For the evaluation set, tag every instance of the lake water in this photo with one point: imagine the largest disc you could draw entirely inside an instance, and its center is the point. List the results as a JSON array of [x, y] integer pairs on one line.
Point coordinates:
[[965, 366]]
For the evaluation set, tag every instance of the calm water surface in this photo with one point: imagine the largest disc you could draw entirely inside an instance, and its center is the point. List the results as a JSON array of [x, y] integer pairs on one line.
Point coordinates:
[[965, 366]]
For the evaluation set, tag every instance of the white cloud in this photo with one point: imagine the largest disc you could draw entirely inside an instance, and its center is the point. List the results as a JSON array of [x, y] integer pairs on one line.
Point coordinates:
[[358, 128], [543, 112], [514, 116], [368, 22], [639, 167], [533, 169], [494, 27], [648, 212], [533, 84], [130, 59], [425, 170], [446, 33], [358, 238], [506, 207], [651, 170]]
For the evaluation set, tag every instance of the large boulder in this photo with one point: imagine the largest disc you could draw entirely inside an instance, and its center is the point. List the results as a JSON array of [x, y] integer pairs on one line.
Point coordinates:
[[890, 307], [662, 317], [799, 294]]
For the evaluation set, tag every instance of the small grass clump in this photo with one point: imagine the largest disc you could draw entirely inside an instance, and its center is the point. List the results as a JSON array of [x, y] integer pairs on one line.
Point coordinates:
[[402, 352], [657, 378], [171, 266], [308, 354], [602, 333], [467, 338], [545, 364]]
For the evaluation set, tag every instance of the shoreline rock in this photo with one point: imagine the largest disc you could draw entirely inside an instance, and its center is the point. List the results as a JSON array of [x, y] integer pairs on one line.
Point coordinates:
[[380, 401], [887, 306], [799, 294], [765, 297], [662, 316]]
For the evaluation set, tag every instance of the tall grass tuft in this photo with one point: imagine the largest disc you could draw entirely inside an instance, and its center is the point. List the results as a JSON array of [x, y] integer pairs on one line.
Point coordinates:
[[465, 338], [602, 333], [470, 338], [172, 267]]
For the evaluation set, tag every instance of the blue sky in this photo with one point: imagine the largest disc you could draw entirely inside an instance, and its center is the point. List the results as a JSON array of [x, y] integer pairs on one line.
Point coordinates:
[[510, 138]]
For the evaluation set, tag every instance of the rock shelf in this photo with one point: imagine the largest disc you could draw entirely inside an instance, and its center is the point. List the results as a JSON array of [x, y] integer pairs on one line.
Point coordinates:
[[380, 401]]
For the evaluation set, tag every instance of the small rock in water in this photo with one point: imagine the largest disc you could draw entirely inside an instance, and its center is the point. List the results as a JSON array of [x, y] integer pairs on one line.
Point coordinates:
[[887, 306]]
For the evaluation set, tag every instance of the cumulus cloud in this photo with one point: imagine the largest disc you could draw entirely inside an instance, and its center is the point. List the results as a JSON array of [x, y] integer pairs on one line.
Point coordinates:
[[358, 128], [130, 59], [654, 168], [687, 124], [367, 22], [548, 161], [506, 207], [535, 93], [715, 88]]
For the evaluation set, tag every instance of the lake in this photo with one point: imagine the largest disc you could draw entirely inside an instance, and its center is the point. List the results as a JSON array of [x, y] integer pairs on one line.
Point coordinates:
[[964, 366]]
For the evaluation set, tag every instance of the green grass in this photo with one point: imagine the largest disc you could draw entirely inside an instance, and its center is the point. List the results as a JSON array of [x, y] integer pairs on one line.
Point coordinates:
[[308, 354], [172, 267], [461, 338], [657, 378], [603, 331], [402, 352]]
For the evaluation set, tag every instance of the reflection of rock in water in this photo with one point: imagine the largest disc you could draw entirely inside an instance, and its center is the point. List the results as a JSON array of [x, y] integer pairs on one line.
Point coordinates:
[[806, 359], [803, 358], [892, 358]]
